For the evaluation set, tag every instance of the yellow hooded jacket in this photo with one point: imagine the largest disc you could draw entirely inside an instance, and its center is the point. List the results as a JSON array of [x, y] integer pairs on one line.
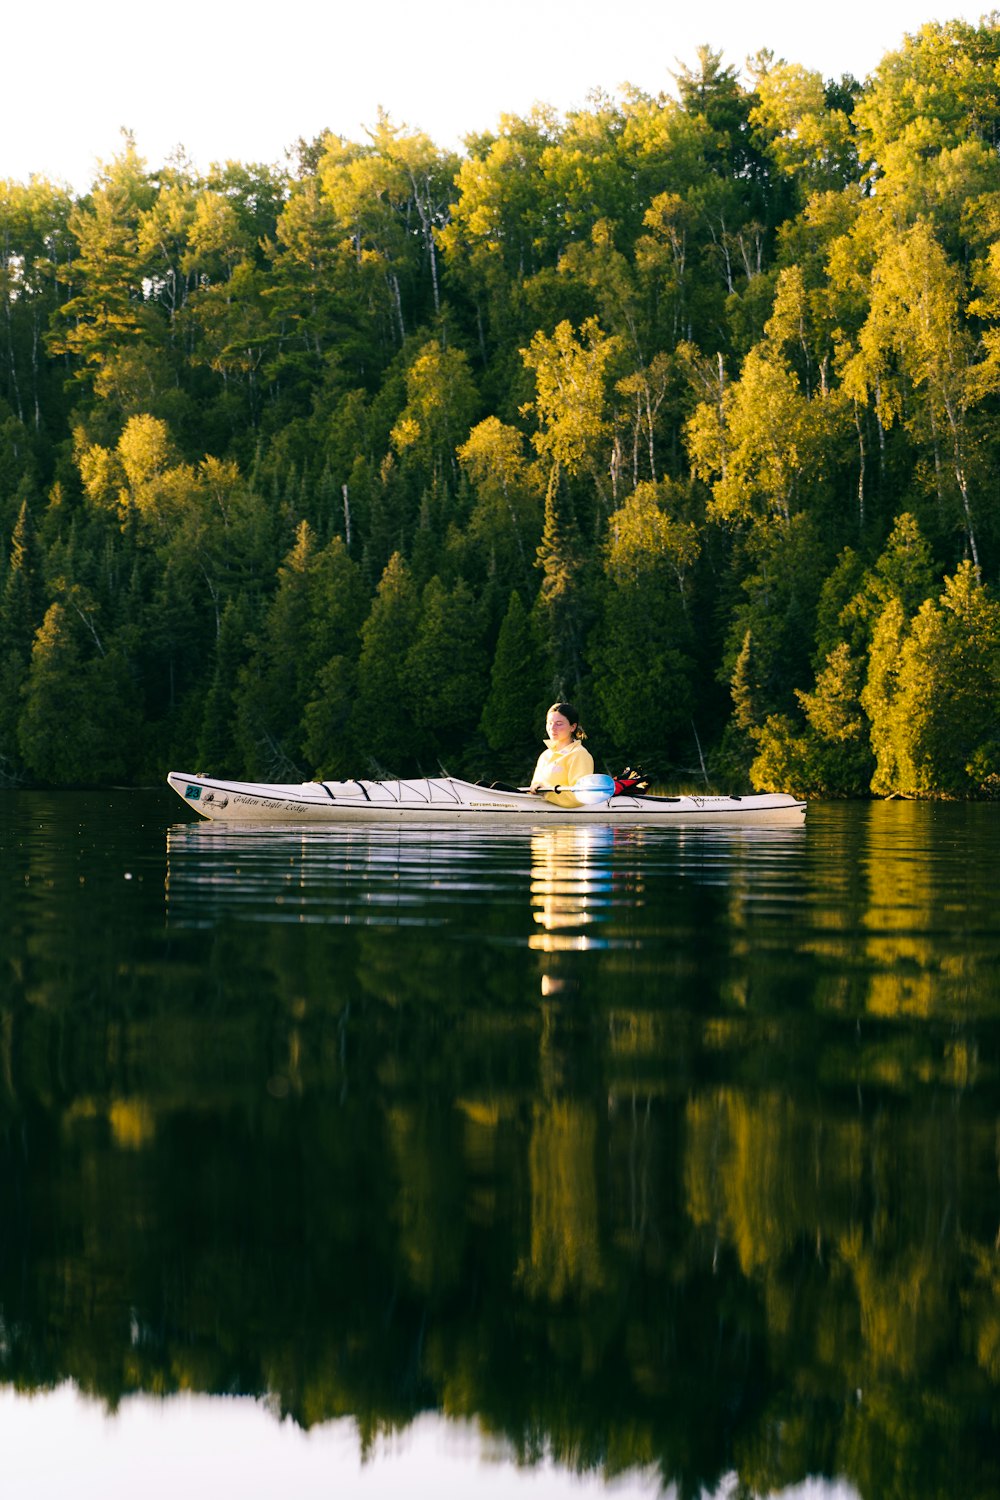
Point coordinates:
[[561, 768]]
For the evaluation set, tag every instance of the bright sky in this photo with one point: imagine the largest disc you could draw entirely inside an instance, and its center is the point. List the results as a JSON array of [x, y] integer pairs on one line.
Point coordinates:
[[244, 81], [57, 1445]]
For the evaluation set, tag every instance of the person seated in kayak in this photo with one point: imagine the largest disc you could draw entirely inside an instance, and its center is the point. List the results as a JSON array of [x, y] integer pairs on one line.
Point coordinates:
[[564, 760]]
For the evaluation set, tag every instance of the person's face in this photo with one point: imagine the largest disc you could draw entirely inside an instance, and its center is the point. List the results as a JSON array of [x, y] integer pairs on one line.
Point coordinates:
[[558, 727]]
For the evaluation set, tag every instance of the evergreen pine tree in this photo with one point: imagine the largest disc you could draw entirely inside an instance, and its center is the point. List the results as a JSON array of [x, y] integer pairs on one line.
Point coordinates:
[[218, 747], [513, 714], [446, 669], [80, 722], [382, 725]]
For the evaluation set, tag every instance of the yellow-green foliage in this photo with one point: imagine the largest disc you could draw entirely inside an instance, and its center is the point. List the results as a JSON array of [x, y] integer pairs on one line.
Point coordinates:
[[659, 365]]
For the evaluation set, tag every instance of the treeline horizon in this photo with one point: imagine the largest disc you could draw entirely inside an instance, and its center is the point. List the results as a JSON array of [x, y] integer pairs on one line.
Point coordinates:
[[681, 408]]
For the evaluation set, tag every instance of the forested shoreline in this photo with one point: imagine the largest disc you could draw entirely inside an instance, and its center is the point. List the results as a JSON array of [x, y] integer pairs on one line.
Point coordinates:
[[681, 407]]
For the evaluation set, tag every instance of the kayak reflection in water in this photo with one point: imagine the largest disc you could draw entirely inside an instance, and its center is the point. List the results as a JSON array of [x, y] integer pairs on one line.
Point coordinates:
[[564, 760]]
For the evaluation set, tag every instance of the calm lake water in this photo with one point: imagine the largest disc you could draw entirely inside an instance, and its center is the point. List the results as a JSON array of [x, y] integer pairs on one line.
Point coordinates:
[[562, 1156]]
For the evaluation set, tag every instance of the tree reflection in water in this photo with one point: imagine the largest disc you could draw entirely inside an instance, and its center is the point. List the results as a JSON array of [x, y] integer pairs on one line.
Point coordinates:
[[632, 1151]]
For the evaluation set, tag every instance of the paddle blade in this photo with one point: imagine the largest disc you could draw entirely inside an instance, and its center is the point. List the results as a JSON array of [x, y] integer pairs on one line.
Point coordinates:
[[589, 791]]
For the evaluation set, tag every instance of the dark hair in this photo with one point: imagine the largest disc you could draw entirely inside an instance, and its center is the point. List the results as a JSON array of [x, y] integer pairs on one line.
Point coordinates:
[[568, 712]]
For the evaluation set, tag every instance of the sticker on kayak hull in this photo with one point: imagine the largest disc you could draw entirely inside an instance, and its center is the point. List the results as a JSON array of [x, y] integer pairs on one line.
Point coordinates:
[[194, 792]]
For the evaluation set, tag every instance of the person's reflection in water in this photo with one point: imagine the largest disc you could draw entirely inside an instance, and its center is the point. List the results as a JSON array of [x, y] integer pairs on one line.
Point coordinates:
[[571, 897], [571, 883]]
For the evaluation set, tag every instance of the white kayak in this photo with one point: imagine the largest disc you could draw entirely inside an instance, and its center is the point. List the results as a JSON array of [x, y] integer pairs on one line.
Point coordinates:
[[447, 799]]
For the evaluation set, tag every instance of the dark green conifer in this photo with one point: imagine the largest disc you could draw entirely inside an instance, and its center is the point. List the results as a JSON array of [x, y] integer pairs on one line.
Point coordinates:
[[513, 716]]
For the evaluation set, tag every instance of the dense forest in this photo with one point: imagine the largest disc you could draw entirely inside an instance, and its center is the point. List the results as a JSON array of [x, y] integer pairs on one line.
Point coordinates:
[[681, 407]]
